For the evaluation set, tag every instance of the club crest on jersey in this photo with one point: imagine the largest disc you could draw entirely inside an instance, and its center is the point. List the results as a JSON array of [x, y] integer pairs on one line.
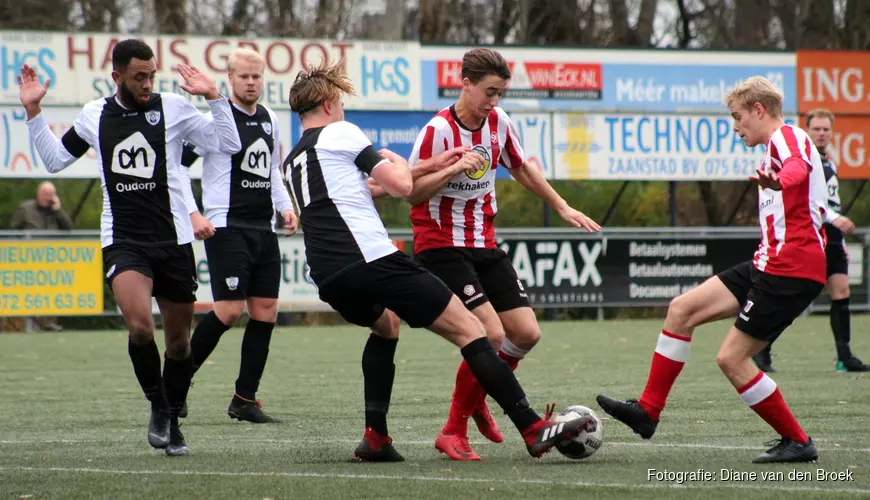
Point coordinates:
[[493, 138], [153, 117], [233, 283], [482, 151], [267, 126]]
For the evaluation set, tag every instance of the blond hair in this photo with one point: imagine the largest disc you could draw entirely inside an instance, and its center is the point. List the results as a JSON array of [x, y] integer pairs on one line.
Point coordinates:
[[316, 85], [820, 113], [245, 53], [756, 89]]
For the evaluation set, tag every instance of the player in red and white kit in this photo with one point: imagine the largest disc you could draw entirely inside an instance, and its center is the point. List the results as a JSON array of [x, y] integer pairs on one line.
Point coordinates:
[[766, 294], [454, 238]]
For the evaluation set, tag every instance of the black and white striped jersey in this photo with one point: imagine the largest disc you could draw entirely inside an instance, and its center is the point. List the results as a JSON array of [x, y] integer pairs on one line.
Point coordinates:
[[327, 172], [244, 189], [835, 236], [147, 197]]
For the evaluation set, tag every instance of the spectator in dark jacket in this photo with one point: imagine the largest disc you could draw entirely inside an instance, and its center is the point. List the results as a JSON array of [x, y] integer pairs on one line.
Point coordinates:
[[45, 212]]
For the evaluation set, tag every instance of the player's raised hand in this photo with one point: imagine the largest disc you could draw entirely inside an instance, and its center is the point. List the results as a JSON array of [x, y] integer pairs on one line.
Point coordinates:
[[202, 227], [291, 223], [196, 82], [30, 91], [578, 219], [767, 179]]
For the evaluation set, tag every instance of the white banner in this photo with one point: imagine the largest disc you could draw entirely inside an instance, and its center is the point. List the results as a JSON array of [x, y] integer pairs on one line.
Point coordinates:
[[385, 74], [297, 292], [654, 147], [19, 159]]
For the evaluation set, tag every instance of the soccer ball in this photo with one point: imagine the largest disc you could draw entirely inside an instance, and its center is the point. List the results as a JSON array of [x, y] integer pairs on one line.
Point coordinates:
[[585, 444]]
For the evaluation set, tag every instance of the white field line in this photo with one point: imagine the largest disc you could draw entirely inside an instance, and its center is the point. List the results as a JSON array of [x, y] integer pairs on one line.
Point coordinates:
[[774, 486], [308, 441]]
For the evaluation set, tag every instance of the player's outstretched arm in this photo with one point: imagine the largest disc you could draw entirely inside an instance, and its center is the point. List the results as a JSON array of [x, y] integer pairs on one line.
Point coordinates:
[[529, 175], [56, 154], [393, 175]]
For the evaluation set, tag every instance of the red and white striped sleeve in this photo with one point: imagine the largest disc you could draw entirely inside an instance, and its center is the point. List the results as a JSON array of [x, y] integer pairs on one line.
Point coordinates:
[[430, 141], [512, 155]]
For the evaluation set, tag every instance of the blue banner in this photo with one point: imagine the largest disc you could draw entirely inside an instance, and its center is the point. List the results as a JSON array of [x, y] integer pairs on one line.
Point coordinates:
[[654, 88]]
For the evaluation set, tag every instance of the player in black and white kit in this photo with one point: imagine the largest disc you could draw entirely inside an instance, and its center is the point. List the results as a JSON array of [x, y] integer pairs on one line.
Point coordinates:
[[149, 214], [820, 123], [363, 276], [241, 193]]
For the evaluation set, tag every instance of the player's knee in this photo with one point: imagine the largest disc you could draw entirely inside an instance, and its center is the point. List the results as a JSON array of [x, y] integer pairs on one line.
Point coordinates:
[[141, 330], [680, 311], [230, 312], [178, 346], [526, 338], [387, 326], [726, 361]]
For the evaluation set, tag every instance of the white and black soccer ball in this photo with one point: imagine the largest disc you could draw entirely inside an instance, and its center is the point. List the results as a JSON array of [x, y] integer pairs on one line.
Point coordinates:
[[585, 444]]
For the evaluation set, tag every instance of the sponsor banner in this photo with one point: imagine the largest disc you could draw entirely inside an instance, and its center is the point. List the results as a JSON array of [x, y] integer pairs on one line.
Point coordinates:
[[607, 272], [848, 148], [651, 147], [57, 277], [19, 159], [569, 79], [80, 65], [834, 80]]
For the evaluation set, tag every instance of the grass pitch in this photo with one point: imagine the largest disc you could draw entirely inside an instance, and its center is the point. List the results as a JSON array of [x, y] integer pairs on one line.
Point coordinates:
[[73, 421]]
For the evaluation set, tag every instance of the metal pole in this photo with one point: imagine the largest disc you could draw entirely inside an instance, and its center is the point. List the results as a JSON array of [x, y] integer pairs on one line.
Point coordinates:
[[613, 204], [673, 203], [84, 197], [739, 202]]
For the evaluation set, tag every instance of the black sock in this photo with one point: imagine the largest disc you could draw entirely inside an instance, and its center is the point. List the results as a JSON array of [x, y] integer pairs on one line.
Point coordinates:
[[146, 365], [841, 327], [498, 380], [378, 374], [205, 338], [176, 377], [255, 350]]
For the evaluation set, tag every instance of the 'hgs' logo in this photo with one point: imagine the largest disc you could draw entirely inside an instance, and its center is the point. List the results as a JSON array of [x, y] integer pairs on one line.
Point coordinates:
[[134, 156], [258, 159]]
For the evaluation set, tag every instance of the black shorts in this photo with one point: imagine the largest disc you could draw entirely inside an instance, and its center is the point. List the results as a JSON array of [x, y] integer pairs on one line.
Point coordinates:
[[838, 259], [243, 263], [172, 268], [769, 304], [395, 282], [477, 275]]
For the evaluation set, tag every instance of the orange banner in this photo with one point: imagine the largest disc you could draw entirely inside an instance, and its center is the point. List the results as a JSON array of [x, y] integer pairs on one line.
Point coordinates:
[[837, 80], [848, 148]]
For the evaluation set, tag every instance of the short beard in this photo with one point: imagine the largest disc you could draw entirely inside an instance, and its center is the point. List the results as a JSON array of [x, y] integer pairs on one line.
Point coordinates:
[[128, 98]]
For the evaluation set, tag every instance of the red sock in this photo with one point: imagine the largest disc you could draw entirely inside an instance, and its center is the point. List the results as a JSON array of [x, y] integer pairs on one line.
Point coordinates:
[[763, 396], [672, 352], [512, 361], [457, 421], [468, 395]]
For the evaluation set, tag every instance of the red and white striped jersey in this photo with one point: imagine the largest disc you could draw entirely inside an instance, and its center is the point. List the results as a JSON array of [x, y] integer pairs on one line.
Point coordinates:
[[792, 239], [462, 213]]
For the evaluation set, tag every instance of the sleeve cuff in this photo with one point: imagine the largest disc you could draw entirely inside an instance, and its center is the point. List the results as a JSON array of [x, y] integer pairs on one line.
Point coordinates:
[[37, 122]]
